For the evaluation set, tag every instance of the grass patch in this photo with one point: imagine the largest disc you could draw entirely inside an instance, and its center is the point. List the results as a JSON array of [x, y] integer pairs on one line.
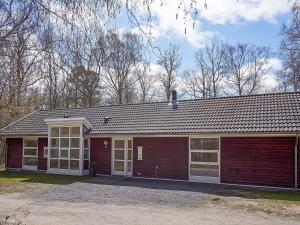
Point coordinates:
[[271, 196], [8, 178]]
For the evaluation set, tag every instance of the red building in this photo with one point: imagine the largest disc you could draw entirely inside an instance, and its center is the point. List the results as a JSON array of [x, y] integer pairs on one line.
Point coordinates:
[[250, 140]]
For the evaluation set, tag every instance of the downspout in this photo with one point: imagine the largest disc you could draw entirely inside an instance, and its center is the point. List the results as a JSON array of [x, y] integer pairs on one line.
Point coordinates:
[[296, 163]]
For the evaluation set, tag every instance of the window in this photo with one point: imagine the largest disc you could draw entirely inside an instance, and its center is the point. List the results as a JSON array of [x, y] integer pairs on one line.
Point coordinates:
[[45, 152], [204, 157], [30, 152], [86, 150], [140, 153], [65, 147]]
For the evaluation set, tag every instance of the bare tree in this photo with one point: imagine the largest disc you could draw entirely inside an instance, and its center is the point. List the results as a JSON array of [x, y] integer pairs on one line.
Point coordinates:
[[146, 83], [245, 67], [170, 61], [124, 55], [290, 51], [210, 62], [196, 84]]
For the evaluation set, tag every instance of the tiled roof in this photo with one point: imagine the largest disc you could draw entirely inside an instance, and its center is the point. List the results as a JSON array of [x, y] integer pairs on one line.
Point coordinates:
[[267, 113]]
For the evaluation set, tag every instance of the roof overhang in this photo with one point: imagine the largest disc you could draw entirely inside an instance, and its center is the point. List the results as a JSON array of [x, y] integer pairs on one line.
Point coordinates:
[[69, 122]]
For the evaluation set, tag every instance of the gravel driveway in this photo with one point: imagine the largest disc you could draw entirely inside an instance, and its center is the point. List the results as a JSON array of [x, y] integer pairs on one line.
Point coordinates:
[[116, 200]]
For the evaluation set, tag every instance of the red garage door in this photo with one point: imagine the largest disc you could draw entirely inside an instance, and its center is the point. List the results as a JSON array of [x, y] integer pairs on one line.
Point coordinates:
[[258, 161]]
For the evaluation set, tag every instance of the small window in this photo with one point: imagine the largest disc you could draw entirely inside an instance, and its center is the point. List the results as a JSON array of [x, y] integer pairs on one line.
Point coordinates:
[[54, 132], [45, 152], [75, 131], [64, 131], [140, 153], [30, 143]]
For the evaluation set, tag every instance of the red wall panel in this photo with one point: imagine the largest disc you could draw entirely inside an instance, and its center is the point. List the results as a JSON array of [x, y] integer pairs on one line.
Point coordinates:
[[170, 154], [101, 155], [42, 162], [258, 160], [14, 152]]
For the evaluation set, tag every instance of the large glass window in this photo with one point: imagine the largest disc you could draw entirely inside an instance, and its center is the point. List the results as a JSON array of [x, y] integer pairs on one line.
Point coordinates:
[[30, 152], [204, 157], [65, 148]]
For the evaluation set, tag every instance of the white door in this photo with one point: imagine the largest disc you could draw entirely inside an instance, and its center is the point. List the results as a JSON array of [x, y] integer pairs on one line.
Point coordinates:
[[122, 156]]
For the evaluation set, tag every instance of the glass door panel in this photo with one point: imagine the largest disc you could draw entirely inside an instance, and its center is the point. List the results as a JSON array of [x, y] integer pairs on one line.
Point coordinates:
[[122, 157]]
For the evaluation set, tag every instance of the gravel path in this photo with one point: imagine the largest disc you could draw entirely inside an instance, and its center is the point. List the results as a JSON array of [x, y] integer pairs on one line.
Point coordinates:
[[128, 201], [120, 190]]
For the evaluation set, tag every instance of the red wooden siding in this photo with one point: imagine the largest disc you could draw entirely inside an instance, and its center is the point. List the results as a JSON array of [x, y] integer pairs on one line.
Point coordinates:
[[42, 162], [170, 154], [258, 160], [101, 155], [298, 163], [14, 152]]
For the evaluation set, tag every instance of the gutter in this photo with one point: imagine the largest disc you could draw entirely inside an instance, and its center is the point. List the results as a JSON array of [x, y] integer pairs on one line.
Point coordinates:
[[296, 162]]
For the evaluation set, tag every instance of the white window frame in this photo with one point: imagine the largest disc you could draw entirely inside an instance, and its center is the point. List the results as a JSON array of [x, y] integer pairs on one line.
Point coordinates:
[[206, 179], [45, 149], [69, 137], [28, 167]]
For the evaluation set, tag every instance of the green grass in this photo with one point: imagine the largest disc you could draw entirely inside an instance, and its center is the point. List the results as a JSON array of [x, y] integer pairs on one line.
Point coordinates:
[[10, 178], [271, 196]]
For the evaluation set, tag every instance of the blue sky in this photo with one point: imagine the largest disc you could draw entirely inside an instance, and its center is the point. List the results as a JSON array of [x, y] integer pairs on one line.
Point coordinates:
[[246, 21]]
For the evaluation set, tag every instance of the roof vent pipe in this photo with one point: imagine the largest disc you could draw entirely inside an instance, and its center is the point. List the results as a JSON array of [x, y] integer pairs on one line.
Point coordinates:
[[174, 99]]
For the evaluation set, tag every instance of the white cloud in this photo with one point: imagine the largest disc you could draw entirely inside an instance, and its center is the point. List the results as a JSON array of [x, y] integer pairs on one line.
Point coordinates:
[[165, 24], [270, 82], [232, 11]]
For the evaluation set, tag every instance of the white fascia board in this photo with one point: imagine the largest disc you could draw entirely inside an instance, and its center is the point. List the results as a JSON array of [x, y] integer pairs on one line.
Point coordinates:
[[68, 121]]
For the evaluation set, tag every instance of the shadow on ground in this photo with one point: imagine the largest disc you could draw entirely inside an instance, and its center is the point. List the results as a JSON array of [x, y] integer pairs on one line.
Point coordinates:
[[15, 178], [214, 189]]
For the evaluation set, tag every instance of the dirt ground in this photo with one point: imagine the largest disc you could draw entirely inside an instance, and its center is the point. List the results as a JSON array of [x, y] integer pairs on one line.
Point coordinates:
[[117, 201]]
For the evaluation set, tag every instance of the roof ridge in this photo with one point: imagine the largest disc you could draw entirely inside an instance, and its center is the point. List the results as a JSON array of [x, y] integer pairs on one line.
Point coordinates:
[[10, 124], [183, 100]]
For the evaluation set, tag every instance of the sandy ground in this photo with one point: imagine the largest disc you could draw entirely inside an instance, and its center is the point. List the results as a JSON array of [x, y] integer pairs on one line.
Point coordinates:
[[109, 206]]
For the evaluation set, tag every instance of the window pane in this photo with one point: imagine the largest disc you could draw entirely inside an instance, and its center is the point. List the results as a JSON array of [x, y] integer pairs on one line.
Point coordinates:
[[204, 143], [129, 166], [74, 153], [54, 132], [86, 153], [54, 142], [129, 143], [196, 143], [75, 142], [64, 131], [74, 164], [86, 143], [64, 153], [64, 164], [75, 131], [119, 166], [64, 142], [211, 144], [30, 151], [204, 170], [30, 143], [45, 152], [204, 157], [30, 161], [119, 144], [129, 154], [119, 154], [53, 153], [53, 163]]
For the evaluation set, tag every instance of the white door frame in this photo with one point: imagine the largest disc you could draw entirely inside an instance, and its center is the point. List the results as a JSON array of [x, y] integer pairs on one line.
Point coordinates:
[[205, 179], [125, 172], [27, 167]]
